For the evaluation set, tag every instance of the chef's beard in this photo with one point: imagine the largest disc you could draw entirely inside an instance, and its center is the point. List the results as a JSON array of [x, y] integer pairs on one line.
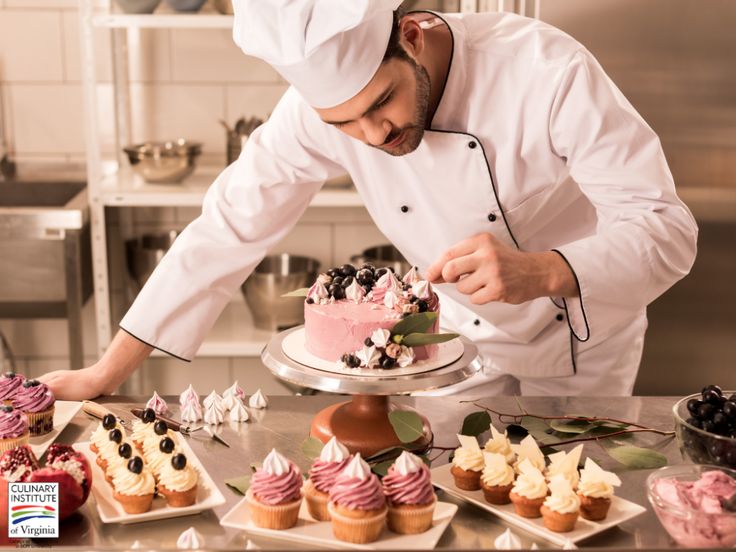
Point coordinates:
[[414, 130]]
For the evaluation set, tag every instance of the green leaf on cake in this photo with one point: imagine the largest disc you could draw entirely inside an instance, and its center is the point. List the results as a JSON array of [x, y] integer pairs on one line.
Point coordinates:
[[312, 447], [381, 469], [408, 425], [301, 292], [414, 323], [476, 423], [417, 339], [637, 457]]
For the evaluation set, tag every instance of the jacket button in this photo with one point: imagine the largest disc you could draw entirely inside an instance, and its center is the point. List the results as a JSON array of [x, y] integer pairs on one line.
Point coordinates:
[[476, 322], [492, 217], [560, 317], [473, 144], [404, 209]]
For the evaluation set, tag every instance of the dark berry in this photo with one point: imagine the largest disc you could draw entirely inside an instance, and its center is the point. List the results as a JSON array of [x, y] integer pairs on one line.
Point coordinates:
[[713, 388], [694, 422], [712, 397], [364, 277], [344, 358], [6, 408], [160, 428], [336, 281], [179, 461], [109, 421], [693, 405], [729, 409], [720, 420], [380, 272], [10, 374], [115, 435], [31, 383], [388, 362], [149, 415], [716, 447], [166, 445], [333, 272], [730, 458], [367, 289], [732, 398], [353, 361], [706, 411], [368, 342], [135, 464], [337, 292], [125, 450], [347, 281], [347, 270], [423, 306], [310, 300], [368, 266], [709, 426]]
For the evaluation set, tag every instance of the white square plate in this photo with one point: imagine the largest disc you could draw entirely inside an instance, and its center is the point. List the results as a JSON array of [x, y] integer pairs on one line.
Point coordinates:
[[64, 411], [307, 530], [621, 510], [111, 511]]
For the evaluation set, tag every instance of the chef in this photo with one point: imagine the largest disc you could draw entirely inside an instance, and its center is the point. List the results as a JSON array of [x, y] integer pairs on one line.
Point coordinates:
[[491, 149]]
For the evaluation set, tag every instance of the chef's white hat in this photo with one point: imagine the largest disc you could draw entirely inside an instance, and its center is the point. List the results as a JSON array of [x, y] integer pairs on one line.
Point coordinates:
[[327, 49]]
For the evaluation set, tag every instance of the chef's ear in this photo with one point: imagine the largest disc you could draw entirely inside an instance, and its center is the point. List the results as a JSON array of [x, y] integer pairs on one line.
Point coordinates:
[[411, 37]]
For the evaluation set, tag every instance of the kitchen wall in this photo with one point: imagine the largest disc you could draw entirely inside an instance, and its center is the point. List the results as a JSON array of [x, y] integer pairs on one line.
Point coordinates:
[[671, 58]]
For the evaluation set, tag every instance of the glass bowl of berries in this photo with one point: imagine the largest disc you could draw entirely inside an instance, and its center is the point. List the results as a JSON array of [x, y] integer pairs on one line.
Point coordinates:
[[705, 424]]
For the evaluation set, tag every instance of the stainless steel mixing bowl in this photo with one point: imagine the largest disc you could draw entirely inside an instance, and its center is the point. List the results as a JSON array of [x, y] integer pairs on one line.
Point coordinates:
[[383, 255], [145, 252], [164, 162]]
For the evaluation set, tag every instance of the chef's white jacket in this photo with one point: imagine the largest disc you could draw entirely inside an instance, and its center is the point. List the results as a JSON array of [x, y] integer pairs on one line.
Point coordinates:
[[531, 142]]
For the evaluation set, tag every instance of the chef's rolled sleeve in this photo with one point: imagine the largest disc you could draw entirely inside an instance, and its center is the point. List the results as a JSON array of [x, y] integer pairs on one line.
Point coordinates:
[[249, 209], [646, 237]]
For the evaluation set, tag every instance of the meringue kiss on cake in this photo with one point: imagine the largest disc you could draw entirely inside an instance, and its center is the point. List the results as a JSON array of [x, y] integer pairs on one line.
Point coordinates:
[[368, 317]]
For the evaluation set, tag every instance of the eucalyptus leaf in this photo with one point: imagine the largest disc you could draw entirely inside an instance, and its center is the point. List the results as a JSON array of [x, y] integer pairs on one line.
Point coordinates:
[[539, 429], [637, 457], [476, 423], [312, 447], [381, 468], [573, 426], [515, 431], [301, 292], [408, 425], [239, 484], [414, 323], [417, 339]]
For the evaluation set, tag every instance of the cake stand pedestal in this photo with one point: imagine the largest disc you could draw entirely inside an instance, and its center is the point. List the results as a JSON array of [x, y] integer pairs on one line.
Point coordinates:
[[362, 424]]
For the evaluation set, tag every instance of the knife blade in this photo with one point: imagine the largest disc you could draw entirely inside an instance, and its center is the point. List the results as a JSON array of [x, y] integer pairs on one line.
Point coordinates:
[[215, 436], [170, 423], [98, 411]]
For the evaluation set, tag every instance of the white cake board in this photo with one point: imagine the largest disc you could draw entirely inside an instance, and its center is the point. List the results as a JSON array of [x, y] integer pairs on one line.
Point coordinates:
[[293, 346]]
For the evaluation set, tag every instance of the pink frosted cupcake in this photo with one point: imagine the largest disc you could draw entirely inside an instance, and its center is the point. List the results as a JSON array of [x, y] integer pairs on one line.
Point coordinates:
[[411, 498], [13, 428], [275, 493], [10, 382], [332, 460], [357, 505], [37, 401]]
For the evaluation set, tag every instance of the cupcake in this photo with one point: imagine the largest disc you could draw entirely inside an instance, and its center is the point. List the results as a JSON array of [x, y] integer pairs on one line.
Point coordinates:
[[133, 486], [109, 449], [178, 482], [529, 491], [565, 464], [497, 479], [13, 428], [561, 508], [357, 505], [143, 427], [10, 382], [275, 493], [500, 444], [595, 490], [528, 449], [158, 458], [410, 496], [467, 465], [119, 460], [100, 434], [37, 401], [152, 440], [332, 460]]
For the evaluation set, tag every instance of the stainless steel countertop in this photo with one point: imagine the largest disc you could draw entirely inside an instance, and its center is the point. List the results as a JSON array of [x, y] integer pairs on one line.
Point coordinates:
[[285, 424]]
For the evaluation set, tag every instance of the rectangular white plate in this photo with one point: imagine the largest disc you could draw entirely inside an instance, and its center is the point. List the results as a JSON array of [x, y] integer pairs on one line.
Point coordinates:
[[64, 411], [621, 510], [111, 511], [307, 530]]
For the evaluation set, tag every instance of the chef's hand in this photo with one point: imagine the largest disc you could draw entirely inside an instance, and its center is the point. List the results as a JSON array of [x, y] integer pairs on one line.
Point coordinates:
[[489, 270], [75, 385]]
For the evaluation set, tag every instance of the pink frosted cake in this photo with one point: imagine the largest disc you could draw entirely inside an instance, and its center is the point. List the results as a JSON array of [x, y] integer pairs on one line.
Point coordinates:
[[350, 314]]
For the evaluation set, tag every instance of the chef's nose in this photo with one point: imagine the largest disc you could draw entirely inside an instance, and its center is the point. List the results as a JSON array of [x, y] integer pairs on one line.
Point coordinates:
[[375, 130]]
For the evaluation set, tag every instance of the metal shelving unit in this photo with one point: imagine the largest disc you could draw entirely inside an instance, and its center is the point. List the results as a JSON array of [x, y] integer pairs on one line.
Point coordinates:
[[113, 184]]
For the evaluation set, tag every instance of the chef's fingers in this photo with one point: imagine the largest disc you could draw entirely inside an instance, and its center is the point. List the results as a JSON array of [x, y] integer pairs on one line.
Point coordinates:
[[471, 283], [456, 268], [465, 247]]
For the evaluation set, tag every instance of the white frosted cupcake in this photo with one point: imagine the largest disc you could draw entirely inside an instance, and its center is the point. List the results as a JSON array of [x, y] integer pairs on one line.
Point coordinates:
[[561, 508], [595, 490], [499, 444], [467, 464], [178, 482], [527, 449], [133, 486], [497, 479], [529, 490], [565, 464]]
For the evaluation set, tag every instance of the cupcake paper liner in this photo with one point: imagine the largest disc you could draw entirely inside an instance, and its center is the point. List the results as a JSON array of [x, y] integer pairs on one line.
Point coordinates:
[[465, 479], [179, 499], [594, 509], [527, 507], [358, 530], [316, 502], [133, 504], [497, 494], [41, 423], [280, 516], [12, 442], [558, 522], [411, 519]]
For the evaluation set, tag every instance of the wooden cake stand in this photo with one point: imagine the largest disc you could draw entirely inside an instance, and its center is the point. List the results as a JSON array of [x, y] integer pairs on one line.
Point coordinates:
[[362, 423]]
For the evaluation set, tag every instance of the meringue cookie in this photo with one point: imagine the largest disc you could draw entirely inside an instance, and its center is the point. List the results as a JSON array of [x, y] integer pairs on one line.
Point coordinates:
[[188, 394], [234, 389], [191, 412], [214, 414], [507, 541], [238, 413], [191, 539], [212, 397], [228, 402], [157, 403], [258, 400]]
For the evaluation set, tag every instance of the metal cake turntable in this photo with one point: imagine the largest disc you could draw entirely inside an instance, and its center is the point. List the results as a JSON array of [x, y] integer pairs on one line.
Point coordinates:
[[362, 423]]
